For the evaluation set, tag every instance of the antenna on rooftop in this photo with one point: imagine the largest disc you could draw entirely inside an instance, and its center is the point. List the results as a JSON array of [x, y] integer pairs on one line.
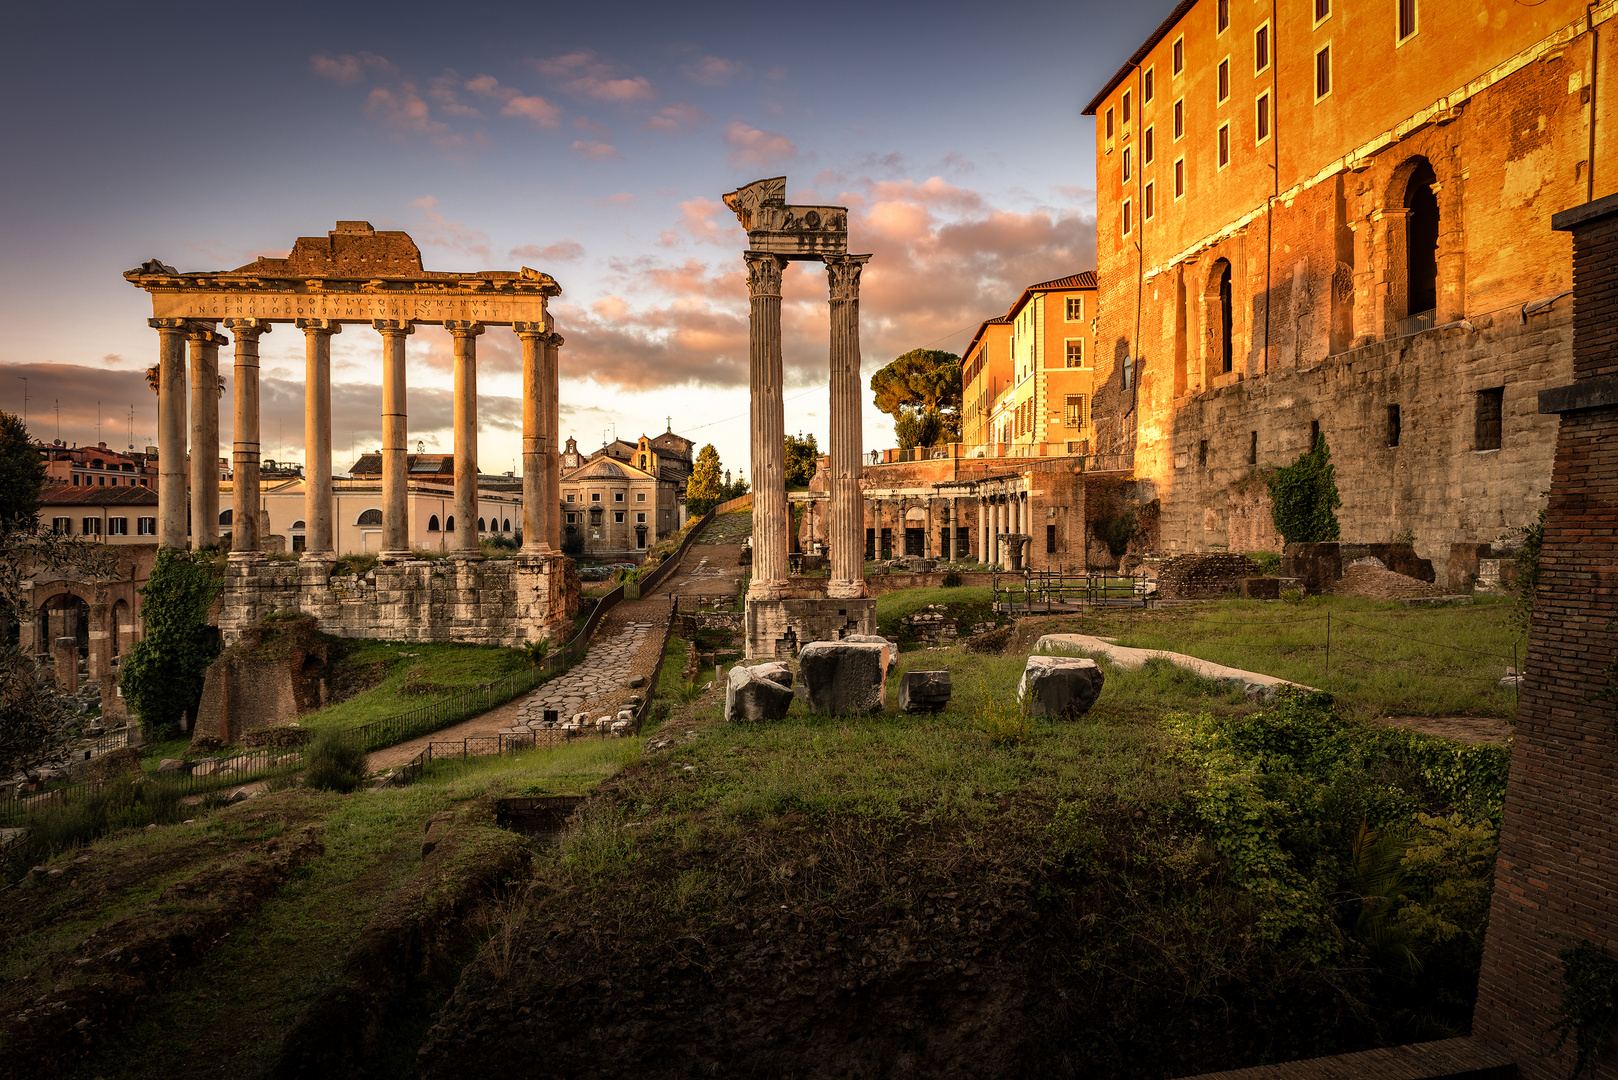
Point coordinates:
[[24, 379], [131, 427], [58, 419]]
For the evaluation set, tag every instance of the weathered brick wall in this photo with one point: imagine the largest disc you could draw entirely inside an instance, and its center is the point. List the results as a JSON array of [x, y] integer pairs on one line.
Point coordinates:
[[1188, 577], [1555, 879]]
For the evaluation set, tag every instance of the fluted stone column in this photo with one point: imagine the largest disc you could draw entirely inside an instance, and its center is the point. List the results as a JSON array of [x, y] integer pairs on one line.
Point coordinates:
[[171, 468], [551, 389], [318, 537], [538, 486], [768, 427], [949, 530], [465, 544], [246, 533], [205, 344], [847, 519], [983, 530], [395, 441]]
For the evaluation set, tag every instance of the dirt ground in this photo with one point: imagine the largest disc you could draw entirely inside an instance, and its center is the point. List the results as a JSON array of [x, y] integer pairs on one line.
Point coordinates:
[[1472, 730]]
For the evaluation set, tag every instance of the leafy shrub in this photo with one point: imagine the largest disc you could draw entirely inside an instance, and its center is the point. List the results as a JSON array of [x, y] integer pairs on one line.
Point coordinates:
[[162, 676], [1116, 531], [1588, 1009], [538, 650], [952, 579], [1269, 562], [1304, 497], [127, 803], [1526, 565], [573, 544], [335, 761], [1003, 722], [360, 563]]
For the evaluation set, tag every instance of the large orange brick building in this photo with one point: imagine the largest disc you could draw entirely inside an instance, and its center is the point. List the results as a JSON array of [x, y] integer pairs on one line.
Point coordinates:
[[1334, 216]]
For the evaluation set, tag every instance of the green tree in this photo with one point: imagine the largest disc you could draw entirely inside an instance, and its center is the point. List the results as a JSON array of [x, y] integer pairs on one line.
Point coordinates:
[[162, 678], [1304, 497], [22, 471], [705, 489], [921, 390], [802, 458]]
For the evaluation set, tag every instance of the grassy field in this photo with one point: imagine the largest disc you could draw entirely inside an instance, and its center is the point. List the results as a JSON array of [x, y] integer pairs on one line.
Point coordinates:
[[1383, 659], [404, 676]]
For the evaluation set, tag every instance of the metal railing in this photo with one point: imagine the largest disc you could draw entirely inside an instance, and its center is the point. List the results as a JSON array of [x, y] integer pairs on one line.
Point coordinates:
[[1415, 324], [1052, 591]]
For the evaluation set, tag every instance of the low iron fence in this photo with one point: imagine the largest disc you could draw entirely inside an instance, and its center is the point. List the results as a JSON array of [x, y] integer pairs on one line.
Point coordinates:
[[1051, 591]]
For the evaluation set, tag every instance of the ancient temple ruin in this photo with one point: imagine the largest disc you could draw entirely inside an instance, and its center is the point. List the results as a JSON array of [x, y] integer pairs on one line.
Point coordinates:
[[776, 233], [356, 275]]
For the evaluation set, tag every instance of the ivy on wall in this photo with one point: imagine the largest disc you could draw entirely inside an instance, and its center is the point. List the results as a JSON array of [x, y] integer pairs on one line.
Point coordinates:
[[1304, 497], [162, 677]]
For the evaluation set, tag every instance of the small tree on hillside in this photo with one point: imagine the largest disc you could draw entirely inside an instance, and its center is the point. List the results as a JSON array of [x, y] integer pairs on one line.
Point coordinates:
[[162, 677], [802, 458], [1304, 497], [22, 471], [705, 489]]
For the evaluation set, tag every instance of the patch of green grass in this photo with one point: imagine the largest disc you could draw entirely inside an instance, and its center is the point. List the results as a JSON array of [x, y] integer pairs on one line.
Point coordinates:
[[571, 768], [431, 673], [1384, 659], [892, 606]]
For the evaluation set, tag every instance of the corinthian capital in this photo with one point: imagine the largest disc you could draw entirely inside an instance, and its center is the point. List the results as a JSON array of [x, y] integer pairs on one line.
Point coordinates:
[[763, 273], [843, 274], [247, 327]]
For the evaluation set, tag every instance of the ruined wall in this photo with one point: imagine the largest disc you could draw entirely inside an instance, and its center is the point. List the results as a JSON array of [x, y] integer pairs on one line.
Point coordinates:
[[273, 673], [495, 602]]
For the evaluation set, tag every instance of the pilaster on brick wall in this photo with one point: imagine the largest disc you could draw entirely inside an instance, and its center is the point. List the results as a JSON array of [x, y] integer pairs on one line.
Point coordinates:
[[1555, 880]]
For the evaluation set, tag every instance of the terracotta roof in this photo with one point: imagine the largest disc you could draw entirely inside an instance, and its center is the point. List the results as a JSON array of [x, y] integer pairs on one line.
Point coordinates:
[[416, 465], [998, 320], [67, 495], [1141, 53], [1086, 280]]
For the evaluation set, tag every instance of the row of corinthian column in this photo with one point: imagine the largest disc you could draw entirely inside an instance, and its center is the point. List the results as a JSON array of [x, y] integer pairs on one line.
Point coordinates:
[[540, 450]]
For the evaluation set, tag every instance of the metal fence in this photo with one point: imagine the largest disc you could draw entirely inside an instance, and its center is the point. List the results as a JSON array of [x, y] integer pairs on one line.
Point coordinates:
[[1051, 592]]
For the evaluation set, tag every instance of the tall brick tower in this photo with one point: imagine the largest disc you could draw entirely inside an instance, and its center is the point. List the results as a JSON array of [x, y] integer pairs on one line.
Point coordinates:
[[1556, 883]]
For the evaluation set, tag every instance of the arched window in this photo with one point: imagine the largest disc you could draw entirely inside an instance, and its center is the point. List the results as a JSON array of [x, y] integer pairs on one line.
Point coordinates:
[[505, 526], [1421, 245], [372, 516], [449, 523], [227, 517], [1219, 307], [432, 523], [297, 525], [480, 526]]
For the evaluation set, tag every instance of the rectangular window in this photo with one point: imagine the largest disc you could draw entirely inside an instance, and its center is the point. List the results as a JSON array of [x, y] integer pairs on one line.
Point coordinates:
[[1261, 118], [1202, 453], [1077, 410], [1126, 163], [1050, 539], [1407, 18], [1252, 449], [1075, 309], [146, 526], [1075, 352], [1179, 120], [595, 496], [1179, 178], [617, 496], [640, 496], [1322, 72], [1146, 87], [1393, 425], [1261, 48], [640, 517], [1128, 224], [75, 479], [1224, 145], [1179, 54], [92, 526], [1124, 108], [572, 498], [1222, 87], [101, 481], [571, 518], [1149, 204], [1322, 11], [1224, 15], [1109, 123], [1314, 433], [1147, 148], [118, 526], [62, 526], [618, 517], [1490, 407]]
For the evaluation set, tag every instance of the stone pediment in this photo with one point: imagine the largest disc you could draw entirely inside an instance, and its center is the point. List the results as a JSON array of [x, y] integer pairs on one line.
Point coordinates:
[[606, 468]]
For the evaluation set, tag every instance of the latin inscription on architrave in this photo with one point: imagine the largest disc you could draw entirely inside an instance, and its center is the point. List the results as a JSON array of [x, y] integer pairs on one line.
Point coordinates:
[[356, 307]]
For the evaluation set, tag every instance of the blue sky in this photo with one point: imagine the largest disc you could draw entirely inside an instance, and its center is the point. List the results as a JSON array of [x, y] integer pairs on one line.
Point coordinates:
[[591, 142]]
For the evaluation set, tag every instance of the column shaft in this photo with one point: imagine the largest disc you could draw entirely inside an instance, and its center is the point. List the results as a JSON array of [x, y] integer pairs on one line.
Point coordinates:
[[318, 536], [246, 534], [768, 427], [204, 435], [846, 519], [949, 532], [551, 388], [538, 489], [395, 442], [171, 466], [465, 543]]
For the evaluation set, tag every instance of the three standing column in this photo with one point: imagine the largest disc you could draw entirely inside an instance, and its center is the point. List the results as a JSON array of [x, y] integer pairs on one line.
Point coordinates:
[[538, 486], [205, 344], [395, 441], [847, 517], [245, 536], [317, 490], [770, 567], [465, 544], [171, 467]]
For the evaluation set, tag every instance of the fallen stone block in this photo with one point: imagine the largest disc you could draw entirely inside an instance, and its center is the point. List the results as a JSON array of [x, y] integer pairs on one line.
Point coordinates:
[[877, 639], [755, 693], [846, 678], [775, 670], [171, 765], [1059, 686], [924, 691]]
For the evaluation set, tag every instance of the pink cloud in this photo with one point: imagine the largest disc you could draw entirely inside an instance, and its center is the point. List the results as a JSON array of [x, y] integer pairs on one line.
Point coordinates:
[[713, 70], [440, 232], [349, 68], [677, 119], [623, 198], [444, 92], [697, 220], [584, 75], [596, 151], [561, 251], [403, 110], [536, 110], [752, 148]]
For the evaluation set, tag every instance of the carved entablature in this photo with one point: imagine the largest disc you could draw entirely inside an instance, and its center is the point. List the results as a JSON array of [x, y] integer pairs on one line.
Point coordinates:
[[792, 232], [353, 274]]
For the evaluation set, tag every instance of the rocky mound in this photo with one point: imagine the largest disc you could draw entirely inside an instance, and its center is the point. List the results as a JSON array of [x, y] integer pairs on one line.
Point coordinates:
[[1368, 582]]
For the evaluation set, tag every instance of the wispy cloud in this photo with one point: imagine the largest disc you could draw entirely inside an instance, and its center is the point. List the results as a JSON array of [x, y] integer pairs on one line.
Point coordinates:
[[584, 74], [346, 69], [713, 70], [676, 119], [752, 148], [561, 251], [437, 231], [533, 108], [595, 151]]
